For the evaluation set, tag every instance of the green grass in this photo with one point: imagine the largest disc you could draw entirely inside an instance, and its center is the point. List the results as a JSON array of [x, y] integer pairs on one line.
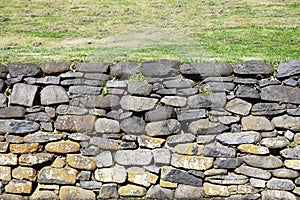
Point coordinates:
[[139, 30]]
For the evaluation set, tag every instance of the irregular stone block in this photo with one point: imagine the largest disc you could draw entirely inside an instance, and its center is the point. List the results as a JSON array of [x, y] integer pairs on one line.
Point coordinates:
[[90, 185], [23, 94], [84, 90], [287, 122], [40, 194], [71, 110], [8, 159], [162, 156], [291, 152], [160, 128], [24, 148], [3, 147], [247, 92], [5, 173], [103, 125], [253, 172], [284, 94], [227, 179], [215, 190], [253, 67], [19, 187], [189, 149], [275, 142], [157, 192], [100, 101], [218, 86], [238, 106], [55, 67], [227, 163], [204, 126], [265, 162], [116, 174], [285, 173], [160, 113], [218, 150], [132, 191], [3, 101], [19, 69], [24, 173], [183, 115], [179, 83], [54, 94], [72, 192], [38, 117], [288, 69], [140, 177], [12, 112], [253, 149], [42, 137], [293, 164], [104, 143], [63, 176], [181, 138], [133, 125], [174, 101], [212, 100], [3, 71], [268, 109], [139, 88], [239, 137], [160, 68], [191, 162], [109, 191], [92, 67], [256, 123], [35, 159], [134, 157], [124, 70], [62, 147], [150, 142], [137, 104], [188, 192], [283, 195], [75, 123], [78, 161]]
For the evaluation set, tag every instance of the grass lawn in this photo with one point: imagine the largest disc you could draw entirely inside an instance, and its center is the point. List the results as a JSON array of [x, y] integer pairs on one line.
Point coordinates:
[[139, 30]]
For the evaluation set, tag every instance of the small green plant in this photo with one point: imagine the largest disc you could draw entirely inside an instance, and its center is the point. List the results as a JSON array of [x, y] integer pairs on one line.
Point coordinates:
[[138, 77], [292, 145], [105, 89], [204, 91], [266, 188]]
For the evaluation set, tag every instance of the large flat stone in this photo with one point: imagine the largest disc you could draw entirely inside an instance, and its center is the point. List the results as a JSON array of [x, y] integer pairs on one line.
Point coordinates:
[[137, 104], [253, 67], [63, 176], [19, 187], [275, 142], [12, 112], [23, 94], [62, 147], [3, 71], [288, 69], [19, 69], [134, 157], [18, 126], [287, 122], [160, 128], [35, 159], [239, 137], [103, 125], [84, 89], [116, 174], [72, 192], [291, 152], [42, 137], [75, 123], [256, 123], [191, 162], [100, 101], [124, 70], [55, 67], [280, 184], [218, 150], [215, 190], [92, 67], [279, 93], [268, 109], [265, 162], [53, 94], [204, 126], [212, 100], [160, 68], [174, 101], [253, 172], [139, 88], [279, 194], [133, 125], [238, 106]]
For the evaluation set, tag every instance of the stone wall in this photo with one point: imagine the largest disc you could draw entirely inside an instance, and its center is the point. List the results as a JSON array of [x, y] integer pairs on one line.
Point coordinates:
[[160, 130]]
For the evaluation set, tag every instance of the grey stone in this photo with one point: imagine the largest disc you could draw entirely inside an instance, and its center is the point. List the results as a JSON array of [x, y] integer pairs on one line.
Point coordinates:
[[188, 192], [230, 179], [137, 104], [253, 67], [266, 82], [174, 101], [206, 69], [90, 185], [258, 183], [84, 90], [104, 143], [187, 91], [2, 85], [42, 137], [161, 156], [3, 101], [204, 126], [179, 83], [116, 84], [291, 82], [243, 197], [248, 92], [227, 120], [277, 195], [23, 94], [108, 191], [204, 139], [150, 142], [268, 109], [139, 88], [79, 81], [38, 117], [289, 135], [253, 172], [55, 67], [218, 86], [134, 157], [116, 174], [245, 137], [288, 69], [181, 138], [92, 67], [161, 128], [158, 114], [227, 163], [157, 192], [276, 142], [265, 162], [18, 126], [64, 176], [71, 110], [124, 70], [79, 137], [12, 112], [285, 173], [133, 125], [179, 176], [100, 101], [214, 172], [291, 152], [292, 112], [3, 71], [190, 114], [90, 150], [18, 69], [166, 91], [280, 184], [218, 79], [212, 100], [54, 95], [75, 123], [160, 68], [217, 150], [287, 122], [245, 81], [280, 93], [71, 74], [126, 145], [256, 123], [103, 125], [47, 80], [97, 76]]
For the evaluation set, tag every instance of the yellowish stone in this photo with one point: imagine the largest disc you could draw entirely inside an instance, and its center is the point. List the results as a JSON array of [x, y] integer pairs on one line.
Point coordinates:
[[72, 192], [141, 177], [132, 191], [150, 142], [24, 148], [192, 162], [62, 147], [18, 187], [293, 164], [189, 149], [58, 163], [167, 184], [81, 162], [24, 173], [253, 149], [215, 190], [51, 175], [5, 173], [8, 159]]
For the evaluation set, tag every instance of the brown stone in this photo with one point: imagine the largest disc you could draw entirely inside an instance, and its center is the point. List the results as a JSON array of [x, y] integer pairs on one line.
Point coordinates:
[[51, 175], [75, 123], [34, 159], [5, 173], [81, 162], [24, 173], [3, 147], [55, 67], [71, 192], [24, 148], [18, 187], [62, 147]]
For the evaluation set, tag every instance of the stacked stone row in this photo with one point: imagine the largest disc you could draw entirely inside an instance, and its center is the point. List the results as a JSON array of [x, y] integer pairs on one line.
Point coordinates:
[[161, 130]]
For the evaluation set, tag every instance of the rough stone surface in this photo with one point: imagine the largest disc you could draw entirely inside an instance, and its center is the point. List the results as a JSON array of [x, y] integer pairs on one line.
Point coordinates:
[[24, 173], [53, 94], [103, 125], [218, 150], [252, 67], [19, 69], [276, 142], [62, 147], [75, 123], [191, 162], [289, 68], [139, 88], [253, 172], [285, 173], [280, 195], [239, 137], [12, 112], [188, 192], [280, 93], [78, 161], [137, 104], [287, 122], [71, 192], [35, 159], [204, 126], [124, 70], [23, 94], [227, 163], [265, 162], [256, 123], [215, 190], [279, 184], [174, 101], [19, 187], [212, 100], [108, 191], [267, 109], [157, 192], [63, 176], [160, 68], [291, 152], [253, 149], [141, 177], [116, 174], [5, 173], [135, 157], [238, 106], [18, 126], [132, 191], [133, 125], [92, 67], [42, 137], [160, 128], [55, 67]]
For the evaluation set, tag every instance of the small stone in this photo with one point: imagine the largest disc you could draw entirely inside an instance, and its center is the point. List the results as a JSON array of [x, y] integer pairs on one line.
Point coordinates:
[[3, 100], [108, 191], [78, 161], [5, 173], [205, 139], [132, 191], [287, 122], [14, 139], [188, 192], [3, 71], [229, 179], [23, 94], [204, 126], [166, 91], [150, 142], [191, 114], [245, 81], [239, 137], [71, 192], [167, 184], [253, 172], [258, 183], [79, 137], [218, 150], [161, 156], [227, 163], [289, 135], [104, 143], [275, 142], [281, 195], [59, 162], [19, 187], [227, 120], [40, 194], [51, 175], [191, 162], [24, 173], [137, 104], [83, 89], [62, 147], [293, 164], [180, 138], [280, 184], [285, 173], [253, 67], [90, 185], [12, 112], [297, 138], [134, 157], [288, 69], [174, 101], [213, 100], [116, 174], [103, 125], [71, 110], [53, 94], [139, 88], [268, 109], [161, 128], [189, 149], [75, 123], [55, 67], [158, 114], [215, 190], [133, 125], [141, 177], [157, 192], [38, 117], [100, 101], [34, 159], [256, 123], [24, 148], [19, 69], [284, 94], [214, 172], [218, 86], [48, 80], [8, 159], [265, 162], [3, 147], [253, 149]]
